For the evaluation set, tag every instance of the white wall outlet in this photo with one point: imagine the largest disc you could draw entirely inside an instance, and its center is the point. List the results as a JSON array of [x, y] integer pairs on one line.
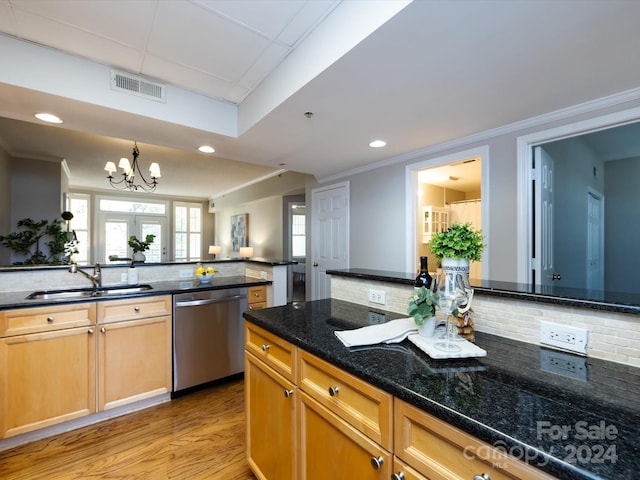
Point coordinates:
[[569, 338], [184, 273], [377, 296]]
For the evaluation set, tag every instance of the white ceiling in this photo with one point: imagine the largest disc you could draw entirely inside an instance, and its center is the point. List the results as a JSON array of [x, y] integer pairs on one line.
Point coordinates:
[[432, 72]]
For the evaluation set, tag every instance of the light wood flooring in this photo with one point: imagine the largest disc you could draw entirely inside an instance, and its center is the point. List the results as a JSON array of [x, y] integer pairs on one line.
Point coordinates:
[[197, 436]]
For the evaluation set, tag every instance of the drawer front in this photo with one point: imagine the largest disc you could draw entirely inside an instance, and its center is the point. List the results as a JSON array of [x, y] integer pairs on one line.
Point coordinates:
[[362, 405], [131, 309], [257, 294], [257, 305], [437, 450], [44, 319], [274, 351]]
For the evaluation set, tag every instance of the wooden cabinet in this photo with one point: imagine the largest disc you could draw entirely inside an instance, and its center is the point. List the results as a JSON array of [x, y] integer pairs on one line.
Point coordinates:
[[257, 297], [134, 350], [331, 447], [270, 405], [47, 366], [435, 449]]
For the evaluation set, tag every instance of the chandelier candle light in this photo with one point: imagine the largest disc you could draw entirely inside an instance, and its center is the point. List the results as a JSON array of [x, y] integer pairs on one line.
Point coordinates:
[[130, 170]]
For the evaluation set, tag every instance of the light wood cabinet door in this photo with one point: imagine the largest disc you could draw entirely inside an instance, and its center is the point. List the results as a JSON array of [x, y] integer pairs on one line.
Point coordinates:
[[134, 360], [271, 349], [270, 410], [46, 319], [440, 451], [332, 448], [46, 378]]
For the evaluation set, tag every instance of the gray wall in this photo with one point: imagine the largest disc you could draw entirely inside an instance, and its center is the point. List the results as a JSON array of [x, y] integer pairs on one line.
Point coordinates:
[[378, 236], [5, 203], [622, 211]]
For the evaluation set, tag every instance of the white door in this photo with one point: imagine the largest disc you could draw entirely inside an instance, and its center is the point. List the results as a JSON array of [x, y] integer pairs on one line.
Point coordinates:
[[329, 236], [543, 215], [595, 240]]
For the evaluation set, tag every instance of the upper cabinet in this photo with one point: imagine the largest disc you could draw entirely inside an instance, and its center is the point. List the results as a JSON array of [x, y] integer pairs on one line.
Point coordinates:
[[434, 219]]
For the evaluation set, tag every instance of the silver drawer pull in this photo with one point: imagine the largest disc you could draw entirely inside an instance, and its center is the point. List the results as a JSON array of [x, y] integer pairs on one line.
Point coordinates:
[[103, 330], [288, 393], [377, 462], [265, 347], [90, 331], [482, 476], [49, 319], [333, 391], [397, 476], [136, 309]]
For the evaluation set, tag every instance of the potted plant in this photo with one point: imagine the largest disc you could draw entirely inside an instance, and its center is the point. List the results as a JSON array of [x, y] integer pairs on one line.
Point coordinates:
[[457, 246], [139, 246], [422, 308]]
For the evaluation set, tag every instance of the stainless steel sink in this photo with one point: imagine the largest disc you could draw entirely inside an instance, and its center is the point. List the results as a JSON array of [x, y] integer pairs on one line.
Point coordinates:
[[73, 293]]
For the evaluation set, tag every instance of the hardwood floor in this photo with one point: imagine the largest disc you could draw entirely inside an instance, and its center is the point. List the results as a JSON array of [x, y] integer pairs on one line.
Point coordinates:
[[197, 436]]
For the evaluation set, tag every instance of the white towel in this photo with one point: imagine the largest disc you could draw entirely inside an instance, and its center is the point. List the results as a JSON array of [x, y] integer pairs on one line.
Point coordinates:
[[389, 332]]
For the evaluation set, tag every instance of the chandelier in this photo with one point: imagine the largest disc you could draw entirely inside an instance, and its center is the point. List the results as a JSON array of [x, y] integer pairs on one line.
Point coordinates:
[[131, 171]]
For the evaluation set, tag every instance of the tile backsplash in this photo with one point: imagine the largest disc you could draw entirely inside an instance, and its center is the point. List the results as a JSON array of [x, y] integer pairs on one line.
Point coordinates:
[[612, 336]]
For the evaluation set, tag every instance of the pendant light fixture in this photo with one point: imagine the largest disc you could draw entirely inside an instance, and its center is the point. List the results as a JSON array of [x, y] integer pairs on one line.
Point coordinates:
[[131, 171]]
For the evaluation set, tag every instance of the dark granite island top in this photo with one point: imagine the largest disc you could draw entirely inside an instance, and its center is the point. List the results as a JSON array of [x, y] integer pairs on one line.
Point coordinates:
[[571, 416]]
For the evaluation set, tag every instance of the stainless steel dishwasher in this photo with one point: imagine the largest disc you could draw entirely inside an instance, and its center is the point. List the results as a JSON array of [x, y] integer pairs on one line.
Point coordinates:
[[208, 336]]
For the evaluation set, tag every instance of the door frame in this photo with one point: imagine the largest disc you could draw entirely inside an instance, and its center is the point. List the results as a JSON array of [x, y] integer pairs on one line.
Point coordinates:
[[411, 201], [524, 176]]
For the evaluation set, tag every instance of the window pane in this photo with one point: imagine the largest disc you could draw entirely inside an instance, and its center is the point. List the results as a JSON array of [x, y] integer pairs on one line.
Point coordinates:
[[126, 206], [298, 246], [116, 238], [154, 254], [80, 209], [181, 247], [194, 219], [83, 247], [181, 219], [194, 246]]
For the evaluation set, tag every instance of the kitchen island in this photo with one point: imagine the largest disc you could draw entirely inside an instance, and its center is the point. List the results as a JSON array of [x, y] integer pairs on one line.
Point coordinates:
[[517, 399]]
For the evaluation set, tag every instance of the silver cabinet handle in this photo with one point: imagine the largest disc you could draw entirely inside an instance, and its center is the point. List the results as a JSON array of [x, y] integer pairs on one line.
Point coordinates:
[[482, 476], [49, 319], [288, 393], [103, 330], [265, 347], [90, 331], [397, 476], [136, 309], [376, 462], [333, 391]]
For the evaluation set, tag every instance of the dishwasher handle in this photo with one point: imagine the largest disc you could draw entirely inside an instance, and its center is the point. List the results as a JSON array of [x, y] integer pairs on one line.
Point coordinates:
[[208, 301]]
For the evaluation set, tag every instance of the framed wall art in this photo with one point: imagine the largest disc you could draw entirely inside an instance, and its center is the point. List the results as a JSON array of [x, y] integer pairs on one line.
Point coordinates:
[[239, 231]]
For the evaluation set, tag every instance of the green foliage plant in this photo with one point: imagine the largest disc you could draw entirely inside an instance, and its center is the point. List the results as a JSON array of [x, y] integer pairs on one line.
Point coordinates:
[[421, 305], [32, 238], [139, 245], [458, 241]]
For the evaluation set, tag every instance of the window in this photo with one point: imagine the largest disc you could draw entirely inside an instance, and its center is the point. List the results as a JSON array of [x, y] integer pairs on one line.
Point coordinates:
[[78, 204], [188, 231], [298, 242]]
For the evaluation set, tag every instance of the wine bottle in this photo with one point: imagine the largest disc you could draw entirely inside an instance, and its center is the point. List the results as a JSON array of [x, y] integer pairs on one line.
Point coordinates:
[[423, 279]]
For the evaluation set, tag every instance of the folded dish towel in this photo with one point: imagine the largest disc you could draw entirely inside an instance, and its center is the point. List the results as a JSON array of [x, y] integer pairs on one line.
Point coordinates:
[[389, 332]]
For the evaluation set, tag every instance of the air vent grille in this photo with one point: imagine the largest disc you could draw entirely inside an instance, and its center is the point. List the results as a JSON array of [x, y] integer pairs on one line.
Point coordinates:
[[136, 85]]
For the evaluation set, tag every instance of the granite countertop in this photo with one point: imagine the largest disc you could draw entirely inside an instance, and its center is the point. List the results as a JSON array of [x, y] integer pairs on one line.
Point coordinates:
[[620, 302], [571, 416], [10, 300]]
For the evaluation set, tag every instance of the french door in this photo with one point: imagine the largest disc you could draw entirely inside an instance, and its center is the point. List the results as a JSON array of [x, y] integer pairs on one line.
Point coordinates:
[[116, 228]]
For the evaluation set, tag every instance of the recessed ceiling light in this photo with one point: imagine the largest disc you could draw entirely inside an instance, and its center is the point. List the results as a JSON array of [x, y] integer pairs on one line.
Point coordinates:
[[206, 149], [48, 117], [377, 143]]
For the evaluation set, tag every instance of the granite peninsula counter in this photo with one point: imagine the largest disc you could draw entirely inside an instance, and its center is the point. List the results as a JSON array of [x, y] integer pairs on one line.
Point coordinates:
[[515, 399]]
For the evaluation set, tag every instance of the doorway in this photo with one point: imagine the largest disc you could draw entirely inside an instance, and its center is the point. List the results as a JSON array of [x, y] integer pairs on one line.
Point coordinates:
[[452, 187]]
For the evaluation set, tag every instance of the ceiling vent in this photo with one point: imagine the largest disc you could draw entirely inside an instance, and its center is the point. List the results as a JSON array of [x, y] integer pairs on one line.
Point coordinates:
[[136, 85]]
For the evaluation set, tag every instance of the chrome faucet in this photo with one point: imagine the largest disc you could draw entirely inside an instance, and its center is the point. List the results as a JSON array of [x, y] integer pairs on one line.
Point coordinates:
[[96, 278]]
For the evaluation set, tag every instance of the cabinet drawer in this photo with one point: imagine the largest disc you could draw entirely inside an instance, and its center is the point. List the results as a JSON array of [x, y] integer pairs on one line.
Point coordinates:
[[274, 351], [364, 406], [45, 319], [257, 305], [438, 450], [130, 309], [257, 295]]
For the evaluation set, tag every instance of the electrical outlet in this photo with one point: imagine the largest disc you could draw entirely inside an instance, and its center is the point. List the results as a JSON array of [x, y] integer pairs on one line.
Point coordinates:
[[569, 338], [565, 364], [377, 296], [184, 273]]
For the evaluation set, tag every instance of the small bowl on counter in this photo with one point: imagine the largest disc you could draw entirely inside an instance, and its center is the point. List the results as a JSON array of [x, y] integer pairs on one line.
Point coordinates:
[[204, 277]]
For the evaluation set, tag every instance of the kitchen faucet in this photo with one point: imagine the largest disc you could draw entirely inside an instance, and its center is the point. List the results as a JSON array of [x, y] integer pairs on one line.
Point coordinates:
[[96, 278]]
